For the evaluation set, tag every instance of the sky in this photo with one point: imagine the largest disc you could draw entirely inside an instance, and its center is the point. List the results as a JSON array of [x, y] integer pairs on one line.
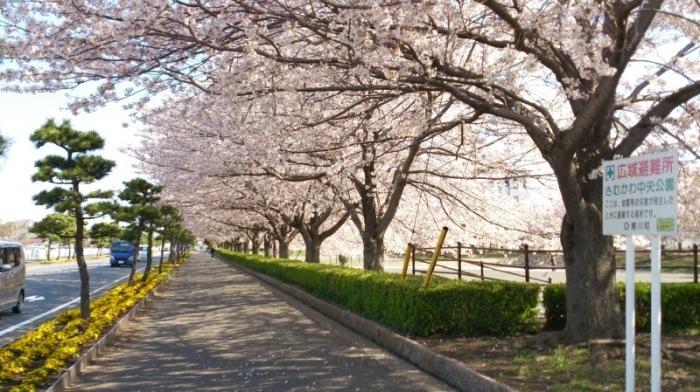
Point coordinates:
[[22, 114]]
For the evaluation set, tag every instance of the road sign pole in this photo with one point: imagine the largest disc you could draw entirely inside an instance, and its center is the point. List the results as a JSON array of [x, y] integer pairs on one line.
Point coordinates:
[[655, 313], [629, 315], [640, 197]]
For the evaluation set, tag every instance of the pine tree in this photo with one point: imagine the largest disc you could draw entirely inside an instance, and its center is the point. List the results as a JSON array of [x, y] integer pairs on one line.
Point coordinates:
[[68, 172], [54, 227], [140, 214]]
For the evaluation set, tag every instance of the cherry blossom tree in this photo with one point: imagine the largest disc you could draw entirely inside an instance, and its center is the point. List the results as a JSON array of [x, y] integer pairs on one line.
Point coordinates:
[[689, 206], [586, 81]]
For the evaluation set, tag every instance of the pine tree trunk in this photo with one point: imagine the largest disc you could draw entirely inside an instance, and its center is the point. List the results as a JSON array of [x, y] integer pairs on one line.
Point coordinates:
[[149, 256], [162, 253], [84, 278], [82, 266], [48, 252], [135, 255], [171, 254]]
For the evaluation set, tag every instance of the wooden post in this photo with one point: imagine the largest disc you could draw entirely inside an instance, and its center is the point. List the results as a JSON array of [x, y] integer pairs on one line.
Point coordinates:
[[406, 259], [436, 254], [413, 260], [481, 264], [695, 263], [526, 252], [459, 260]]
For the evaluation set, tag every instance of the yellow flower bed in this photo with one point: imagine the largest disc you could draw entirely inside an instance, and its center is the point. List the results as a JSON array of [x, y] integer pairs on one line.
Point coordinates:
[[29, 362]]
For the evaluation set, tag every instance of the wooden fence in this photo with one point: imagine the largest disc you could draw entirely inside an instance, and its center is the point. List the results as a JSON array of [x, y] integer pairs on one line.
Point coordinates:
[[520, 262]]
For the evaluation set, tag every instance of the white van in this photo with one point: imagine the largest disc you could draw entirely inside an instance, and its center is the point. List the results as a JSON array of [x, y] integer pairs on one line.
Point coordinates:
[[12, 274], [143, 253]]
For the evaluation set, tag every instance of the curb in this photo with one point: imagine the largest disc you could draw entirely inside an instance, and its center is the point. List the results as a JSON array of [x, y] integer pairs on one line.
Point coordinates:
[[72, 373], [449, 370]]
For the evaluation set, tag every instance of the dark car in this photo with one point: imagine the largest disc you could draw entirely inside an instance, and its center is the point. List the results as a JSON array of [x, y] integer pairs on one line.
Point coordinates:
[[121, 252]]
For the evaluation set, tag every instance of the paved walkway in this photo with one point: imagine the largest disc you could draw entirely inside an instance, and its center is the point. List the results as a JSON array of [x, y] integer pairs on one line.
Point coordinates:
[[216, 329]]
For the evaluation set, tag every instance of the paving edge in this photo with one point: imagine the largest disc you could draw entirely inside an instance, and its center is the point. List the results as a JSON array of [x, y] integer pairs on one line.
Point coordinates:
[[451, 371], [72, 373]]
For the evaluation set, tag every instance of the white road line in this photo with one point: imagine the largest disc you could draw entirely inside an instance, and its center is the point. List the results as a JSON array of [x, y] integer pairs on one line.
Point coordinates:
[[57, 308], [47, 271]]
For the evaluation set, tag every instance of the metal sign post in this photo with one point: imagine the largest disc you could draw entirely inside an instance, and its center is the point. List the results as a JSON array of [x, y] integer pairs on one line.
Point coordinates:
[[640, 197], [629, 315], [655, 313]]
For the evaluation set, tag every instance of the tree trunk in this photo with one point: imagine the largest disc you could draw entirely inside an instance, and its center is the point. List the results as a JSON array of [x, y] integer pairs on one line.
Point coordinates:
[[313, 253], [591, 305], [135, 255], [373, 252], [149, 257], [82, 266], [255, 246], [245, 246], [266, 246], [48, 252], [312, 244], [162, 253], [274, 249], [284, 250], [171, 254]]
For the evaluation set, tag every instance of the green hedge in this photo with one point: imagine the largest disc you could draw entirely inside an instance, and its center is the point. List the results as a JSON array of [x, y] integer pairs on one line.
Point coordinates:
[[446, 307], [680, 304]]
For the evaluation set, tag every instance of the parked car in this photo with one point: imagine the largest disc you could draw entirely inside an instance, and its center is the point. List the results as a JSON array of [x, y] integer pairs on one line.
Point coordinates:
[[143, 252], [120, 251], [12, 276]]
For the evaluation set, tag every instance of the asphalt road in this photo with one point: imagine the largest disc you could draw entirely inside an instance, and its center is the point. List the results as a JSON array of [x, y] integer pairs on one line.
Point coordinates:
[[51, 288]]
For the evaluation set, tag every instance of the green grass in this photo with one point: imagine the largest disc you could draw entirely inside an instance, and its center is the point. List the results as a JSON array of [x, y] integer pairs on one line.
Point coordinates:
[[671, 262], [576, 369]]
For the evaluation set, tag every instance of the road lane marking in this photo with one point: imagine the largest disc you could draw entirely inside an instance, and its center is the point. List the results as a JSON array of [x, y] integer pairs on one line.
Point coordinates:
[[34, 298], [48, 271], [57, 308]]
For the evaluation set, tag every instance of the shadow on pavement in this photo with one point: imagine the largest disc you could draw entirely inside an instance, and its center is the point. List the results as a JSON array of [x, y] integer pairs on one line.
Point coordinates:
[[218, 330]]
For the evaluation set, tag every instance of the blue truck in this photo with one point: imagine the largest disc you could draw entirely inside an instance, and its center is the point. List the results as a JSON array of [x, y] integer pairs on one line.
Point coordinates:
[[121, 251]]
